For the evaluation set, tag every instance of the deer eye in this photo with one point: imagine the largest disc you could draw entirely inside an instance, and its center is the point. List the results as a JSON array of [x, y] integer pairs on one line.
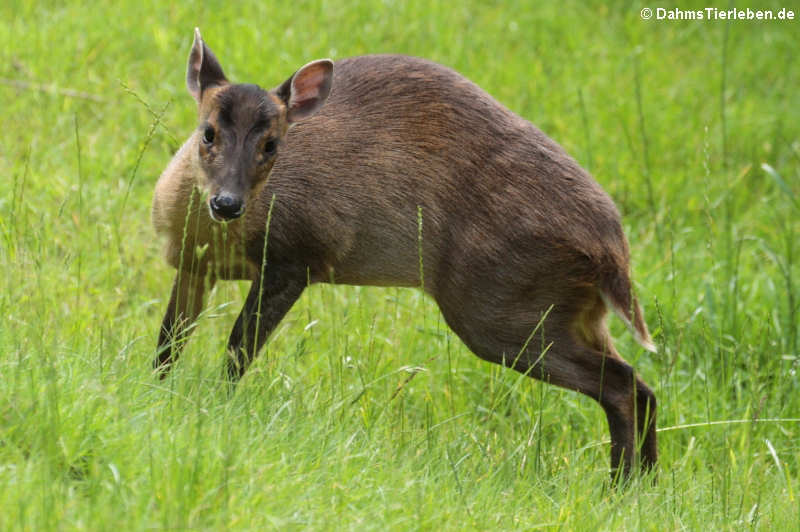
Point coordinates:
[[208, 135], [270, 146]]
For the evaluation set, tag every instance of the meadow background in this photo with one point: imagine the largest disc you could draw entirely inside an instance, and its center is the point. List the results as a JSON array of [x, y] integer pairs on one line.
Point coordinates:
[[365, 412]]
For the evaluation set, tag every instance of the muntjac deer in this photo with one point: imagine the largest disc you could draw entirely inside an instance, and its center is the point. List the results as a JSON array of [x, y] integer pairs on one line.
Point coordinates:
[[323, 179]]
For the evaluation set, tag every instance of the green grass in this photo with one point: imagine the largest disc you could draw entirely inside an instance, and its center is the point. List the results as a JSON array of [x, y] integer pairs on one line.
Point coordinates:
[[365, 412]]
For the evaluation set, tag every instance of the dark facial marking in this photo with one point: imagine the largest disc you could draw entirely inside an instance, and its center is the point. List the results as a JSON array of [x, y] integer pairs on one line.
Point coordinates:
[[245, 107]]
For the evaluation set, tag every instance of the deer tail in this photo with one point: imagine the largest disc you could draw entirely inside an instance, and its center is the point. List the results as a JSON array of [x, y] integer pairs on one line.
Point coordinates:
[[618, 296]]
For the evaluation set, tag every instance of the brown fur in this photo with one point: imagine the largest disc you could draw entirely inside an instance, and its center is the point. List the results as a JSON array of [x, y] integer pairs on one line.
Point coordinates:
[[513, 228]]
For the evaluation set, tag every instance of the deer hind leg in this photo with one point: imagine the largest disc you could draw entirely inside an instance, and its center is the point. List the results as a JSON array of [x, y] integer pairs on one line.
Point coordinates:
[[629, 404], [636, 408], [573, 350]]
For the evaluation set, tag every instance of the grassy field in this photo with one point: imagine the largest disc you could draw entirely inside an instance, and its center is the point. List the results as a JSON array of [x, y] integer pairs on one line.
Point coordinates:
[[365, 412]]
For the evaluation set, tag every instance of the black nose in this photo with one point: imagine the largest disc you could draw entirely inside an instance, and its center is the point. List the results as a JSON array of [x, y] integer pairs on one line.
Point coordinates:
[[226, 207]]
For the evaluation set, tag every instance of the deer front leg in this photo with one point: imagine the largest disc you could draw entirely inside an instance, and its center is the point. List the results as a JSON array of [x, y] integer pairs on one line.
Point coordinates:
[[185, 304], [268, 301]]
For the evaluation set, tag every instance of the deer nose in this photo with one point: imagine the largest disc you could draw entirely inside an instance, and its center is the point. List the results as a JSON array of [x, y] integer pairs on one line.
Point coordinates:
[[226, 207]]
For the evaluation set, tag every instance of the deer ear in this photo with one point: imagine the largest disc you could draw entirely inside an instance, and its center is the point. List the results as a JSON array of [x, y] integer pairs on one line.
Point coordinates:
[[203, 70], [307, 89]]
